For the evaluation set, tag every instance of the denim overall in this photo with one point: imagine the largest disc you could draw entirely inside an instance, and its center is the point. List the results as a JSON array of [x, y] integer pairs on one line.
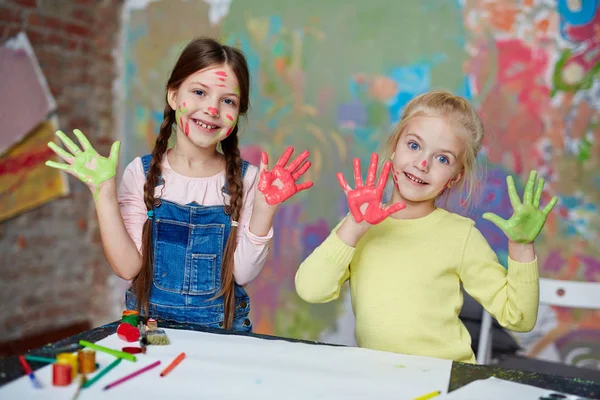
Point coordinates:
[[189, 241]]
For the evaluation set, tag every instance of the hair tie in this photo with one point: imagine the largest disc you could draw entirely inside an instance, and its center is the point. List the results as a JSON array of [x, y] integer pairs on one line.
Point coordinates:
[[234, 223], [150, 214]]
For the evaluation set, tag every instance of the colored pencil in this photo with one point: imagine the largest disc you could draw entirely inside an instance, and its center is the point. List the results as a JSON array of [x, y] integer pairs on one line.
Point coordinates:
[[102, 373], [115, 353], [29, 372], [428, 395], [46, 360], [132, 375], [173, 364]]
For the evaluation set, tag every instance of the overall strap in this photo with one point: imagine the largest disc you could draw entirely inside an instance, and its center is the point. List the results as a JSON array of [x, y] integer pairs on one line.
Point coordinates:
[[146, 160], [245, 165]]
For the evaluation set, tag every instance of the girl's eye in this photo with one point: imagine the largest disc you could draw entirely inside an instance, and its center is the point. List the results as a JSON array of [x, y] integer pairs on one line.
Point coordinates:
[[413, 146], [443, 160], [199, 92], [229, 102]]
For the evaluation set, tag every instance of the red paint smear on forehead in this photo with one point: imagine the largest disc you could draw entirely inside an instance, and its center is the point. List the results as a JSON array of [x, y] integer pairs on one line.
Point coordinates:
[[229, 117], [222, 79], [221, 85], [221, 73]]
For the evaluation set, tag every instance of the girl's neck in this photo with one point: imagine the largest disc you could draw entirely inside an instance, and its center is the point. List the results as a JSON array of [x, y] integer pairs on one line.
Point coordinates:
[[414, 209], [189, 160]]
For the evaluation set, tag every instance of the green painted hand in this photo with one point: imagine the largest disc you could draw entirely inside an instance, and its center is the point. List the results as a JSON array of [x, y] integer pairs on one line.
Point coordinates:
[[527, 219], [87, 165]]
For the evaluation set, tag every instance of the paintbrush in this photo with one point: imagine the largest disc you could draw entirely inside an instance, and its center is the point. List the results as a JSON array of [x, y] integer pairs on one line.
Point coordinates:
[[143, 338]]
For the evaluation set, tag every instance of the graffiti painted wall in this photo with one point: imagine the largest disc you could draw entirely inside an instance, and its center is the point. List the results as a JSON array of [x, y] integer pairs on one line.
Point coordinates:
[[334, 76]]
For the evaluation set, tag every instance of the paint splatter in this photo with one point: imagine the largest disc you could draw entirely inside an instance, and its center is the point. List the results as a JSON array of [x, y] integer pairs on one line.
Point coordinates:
[[423, 164], [212, 111], [221, 73], [222, 79], [229, 117]]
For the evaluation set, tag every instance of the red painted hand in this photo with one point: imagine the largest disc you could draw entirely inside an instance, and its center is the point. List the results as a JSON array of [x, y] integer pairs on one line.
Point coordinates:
[[279, 184], [369, 194]]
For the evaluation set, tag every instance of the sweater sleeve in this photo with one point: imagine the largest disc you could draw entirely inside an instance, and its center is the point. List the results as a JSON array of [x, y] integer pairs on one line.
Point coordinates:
[[321, 276], [512, 296], [252, 250], [131, 201]]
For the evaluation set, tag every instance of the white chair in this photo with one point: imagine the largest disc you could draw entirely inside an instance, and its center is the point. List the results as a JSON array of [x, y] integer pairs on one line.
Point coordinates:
[[553, 292]]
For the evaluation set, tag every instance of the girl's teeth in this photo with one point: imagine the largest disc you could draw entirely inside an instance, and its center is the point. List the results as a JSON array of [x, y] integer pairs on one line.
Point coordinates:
[[412, 178], [203, 125]]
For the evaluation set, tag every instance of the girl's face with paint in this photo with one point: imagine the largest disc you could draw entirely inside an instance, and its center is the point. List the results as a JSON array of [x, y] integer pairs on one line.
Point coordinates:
[[206, 105], [427, 159]]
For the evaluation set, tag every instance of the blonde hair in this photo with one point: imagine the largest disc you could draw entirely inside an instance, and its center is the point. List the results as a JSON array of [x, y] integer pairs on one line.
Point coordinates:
[[461, 114]]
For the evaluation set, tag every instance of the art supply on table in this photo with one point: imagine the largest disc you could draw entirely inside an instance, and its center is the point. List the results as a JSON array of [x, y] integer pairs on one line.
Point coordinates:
[[173, 364], [87, 361], [428, 395], [132, 375], [130, 317], [151, 324], [71, 359], [157, 337], [47, 360], [36, 384], [61, 374], [132, 350], [100, 374], [82, 382], [143, 340], [127, 332], [112, 352]]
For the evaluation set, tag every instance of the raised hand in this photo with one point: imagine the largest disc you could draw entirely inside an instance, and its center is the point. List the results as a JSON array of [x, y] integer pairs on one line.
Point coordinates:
[[369, 194], [87, 165], [279, 184], [527, 219]]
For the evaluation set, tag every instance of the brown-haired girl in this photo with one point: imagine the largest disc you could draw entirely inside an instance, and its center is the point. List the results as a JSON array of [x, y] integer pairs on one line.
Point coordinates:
[[190, 225]]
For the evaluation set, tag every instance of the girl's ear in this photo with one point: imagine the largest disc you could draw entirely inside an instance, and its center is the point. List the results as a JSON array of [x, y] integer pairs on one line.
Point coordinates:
[[172, 98], [456, 178]]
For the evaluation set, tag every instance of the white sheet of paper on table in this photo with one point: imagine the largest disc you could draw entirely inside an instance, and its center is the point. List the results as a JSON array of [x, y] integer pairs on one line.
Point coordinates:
[[499, 389], [238, 367]]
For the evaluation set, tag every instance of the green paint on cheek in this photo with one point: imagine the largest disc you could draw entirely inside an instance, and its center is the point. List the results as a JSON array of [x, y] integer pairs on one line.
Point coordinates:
[[180, 111]]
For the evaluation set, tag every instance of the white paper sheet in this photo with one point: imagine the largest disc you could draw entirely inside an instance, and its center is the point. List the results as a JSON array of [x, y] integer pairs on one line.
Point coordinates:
[[498, 389], [239, 367]]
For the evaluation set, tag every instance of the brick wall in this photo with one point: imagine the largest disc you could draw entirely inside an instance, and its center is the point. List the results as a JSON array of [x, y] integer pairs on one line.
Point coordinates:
[[52, 269]]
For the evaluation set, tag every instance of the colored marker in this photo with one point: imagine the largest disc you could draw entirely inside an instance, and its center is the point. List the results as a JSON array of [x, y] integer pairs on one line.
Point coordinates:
[[46, 360], [173, 364], [102, 373], [29, 372], [112, 352], [428, 395], [132, 375]]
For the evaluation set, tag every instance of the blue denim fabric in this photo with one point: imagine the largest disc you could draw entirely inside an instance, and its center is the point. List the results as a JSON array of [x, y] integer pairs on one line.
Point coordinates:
[[188, 243]]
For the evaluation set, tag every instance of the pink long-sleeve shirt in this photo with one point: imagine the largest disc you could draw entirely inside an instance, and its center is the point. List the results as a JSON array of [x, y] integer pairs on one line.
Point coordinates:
[[251, 251]]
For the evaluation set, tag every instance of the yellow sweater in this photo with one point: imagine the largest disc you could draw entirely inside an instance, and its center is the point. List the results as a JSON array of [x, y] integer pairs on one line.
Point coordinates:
[[405, 278]]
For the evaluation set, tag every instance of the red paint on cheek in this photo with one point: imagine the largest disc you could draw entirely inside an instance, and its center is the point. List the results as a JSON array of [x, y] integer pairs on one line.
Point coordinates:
[[212, 111], [423, 164], [229, 131], [229, 117], [221, 73]]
